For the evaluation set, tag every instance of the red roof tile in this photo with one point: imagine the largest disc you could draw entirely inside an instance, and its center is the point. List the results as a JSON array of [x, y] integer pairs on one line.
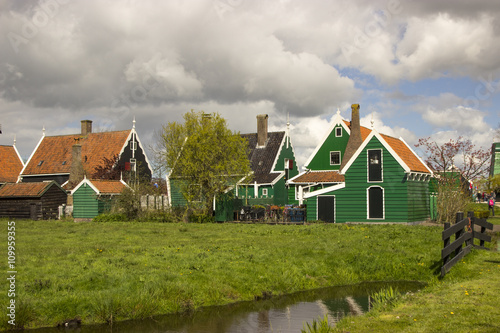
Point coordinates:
[[320, 177], [24, 189], [406, 154], [10, 164], [53, 155], [108, 186]]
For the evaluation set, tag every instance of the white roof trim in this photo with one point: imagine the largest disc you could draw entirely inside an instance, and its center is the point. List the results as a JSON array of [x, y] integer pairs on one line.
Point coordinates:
[[85, 181], [384, 143], [324, 190], [29, 159], [336, 121]]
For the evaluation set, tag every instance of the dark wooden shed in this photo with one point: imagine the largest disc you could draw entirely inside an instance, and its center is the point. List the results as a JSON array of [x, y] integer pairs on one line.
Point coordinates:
[[35, 201]]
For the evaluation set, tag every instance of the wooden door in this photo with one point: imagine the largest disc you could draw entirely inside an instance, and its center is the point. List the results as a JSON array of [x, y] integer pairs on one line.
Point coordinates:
[[326, 208]]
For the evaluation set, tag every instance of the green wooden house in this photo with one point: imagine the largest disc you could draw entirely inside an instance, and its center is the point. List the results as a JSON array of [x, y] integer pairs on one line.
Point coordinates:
[[356, 174], [94, 197]]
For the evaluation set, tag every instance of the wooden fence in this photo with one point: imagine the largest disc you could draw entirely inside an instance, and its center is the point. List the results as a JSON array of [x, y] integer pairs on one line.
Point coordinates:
[[464, 231]]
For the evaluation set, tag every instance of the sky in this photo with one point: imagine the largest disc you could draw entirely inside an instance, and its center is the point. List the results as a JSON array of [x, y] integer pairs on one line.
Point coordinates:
[[417, 68]]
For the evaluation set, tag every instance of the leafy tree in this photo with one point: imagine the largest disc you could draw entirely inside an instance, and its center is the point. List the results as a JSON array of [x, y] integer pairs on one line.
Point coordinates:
[[454, 163], [109, 169], [204, 157]]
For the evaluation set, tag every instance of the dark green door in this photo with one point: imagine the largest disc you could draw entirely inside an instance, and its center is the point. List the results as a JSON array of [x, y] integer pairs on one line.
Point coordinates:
[[326, 209], [376, 203]]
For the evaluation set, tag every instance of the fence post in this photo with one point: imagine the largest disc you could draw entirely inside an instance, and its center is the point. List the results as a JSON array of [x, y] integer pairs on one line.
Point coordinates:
[[446, 243], [460, 217], [471, 217]]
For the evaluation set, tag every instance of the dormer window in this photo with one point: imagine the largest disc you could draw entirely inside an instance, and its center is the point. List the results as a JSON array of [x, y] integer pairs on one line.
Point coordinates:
[[40, 163], [64, 163], [338, 132]]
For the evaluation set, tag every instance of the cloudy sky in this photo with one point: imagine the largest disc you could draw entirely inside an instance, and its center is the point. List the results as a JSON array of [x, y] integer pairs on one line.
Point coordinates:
[[418, 68]]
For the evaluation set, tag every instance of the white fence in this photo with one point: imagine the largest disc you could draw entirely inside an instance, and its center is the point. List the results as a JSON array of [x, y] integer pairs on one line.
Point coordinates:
[[154, 202]]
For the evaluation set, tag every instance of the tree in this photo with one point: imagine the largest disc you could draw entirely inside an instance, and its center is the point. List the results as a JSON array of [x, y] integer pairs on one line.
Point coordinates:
[[455, 164], [204, 157], [109, 169]]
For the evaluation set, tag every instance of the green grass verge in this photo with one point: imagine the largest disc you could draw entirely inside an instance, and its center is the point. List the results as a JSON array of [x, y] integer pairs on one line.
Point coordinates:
[[466, 300], [103, 272]]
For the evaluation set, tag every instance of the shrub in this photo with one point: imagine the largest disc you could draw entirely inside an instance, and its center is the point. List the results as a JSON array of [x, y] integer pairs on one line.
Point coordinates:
[[110, 217], [318, 326], [385, 297]]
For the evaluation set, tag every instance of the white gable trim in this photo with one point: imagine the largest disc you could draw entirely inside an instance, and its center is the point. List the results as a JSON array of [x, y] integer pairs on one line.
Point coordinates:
[[324, 190], [384, 143], [85, 181], [338, 120], [127, 143], [29, 159]]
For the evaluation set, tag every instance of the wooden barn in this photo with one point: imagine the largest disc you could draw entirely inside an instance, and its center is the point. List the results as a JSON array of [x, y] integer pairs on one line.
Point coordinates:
[[359, 175], [94, 197], [34, 201]]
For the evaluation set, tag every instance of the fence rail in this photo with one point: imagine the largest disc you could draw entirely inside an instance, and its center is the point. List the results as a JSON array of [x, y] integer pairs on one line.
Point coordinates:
[[464, 232]]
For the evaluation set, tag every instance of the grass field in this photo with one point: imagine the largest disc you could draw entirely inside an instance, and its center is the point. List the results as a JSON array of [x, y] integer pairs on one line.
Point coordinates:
[[104, 272]]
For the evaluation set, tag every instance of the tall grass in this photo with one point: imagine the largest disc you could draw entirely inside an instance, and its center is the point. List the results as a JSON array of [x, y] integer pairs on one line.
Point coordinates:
[[106, 272]]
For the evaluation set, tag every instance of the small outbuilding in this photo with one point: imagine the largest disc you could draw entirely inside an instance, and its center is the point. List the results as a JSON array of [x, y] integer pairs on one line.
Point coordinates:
[[35, 201], [94, 197]]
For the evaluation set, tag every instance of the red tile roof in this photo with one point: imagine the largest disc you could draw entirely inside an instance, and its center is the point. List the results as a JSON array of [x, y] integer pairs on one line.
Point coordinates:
[[108, 186], [53, 155], [10, 164], [320, 177], [24, 189], [404, 152]]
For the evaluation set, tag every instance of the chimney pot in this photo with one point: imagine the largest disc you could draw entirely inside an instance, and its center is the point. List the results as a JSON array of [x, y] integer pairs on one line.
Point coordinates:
[[86, 127], [262, 130]]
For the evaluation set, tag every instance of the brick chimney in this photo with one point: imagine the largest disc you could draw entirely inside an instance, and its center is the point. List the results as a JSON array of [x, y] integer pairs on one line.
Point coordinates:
[[355, 138], [262, 130], [76, 172], [86, 127]]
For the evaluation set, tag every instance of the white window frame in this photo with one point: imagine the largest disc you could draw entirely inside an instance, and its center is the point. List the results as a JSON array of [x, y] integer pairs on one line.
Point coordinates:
[[340, 158], [337, 135], [381, 166], [265, 192]]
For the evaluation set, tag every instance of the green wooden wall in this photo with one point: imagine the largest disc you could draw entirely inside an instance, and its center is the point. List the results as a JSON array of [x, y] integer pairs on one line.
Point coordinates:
[[321, 161], [85, 203]]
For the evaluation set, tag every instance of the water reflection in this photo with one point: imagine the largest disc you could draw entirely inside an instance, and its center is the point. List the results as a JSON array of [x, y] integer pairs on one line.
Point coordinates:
[[278, 314]]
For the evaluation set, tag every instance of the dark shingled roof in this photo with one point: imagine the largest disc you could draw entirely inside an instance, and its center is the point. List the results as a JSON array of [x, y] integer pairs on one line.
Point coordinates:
[[262, 159]]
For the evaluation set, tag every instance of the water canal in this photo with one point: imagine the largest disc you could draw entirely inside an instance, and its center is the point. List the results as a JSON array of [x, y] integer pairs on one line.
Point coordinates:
[[277, 314]]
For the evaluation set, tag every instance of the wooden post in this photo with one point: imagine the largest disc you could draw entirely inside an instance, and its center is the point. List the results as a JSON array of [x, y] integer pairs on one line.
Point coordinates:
[[446, 243], [471, 217], [460, 217]]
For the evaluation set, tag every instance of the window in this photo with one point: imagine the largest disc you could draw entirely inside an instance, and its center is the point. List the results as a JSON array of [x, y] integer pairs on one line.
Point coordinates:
[[288, 164], [338, 131], [40, 163], [334, 158], [375, 165], [133, 145], [132, 164], [264, 192]]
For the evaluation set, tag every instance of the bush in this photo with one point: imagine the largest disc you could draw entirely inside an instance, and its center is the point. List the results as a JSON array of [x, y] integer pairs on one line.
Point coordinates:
[[482, 214], [111, 217], [199, 217]]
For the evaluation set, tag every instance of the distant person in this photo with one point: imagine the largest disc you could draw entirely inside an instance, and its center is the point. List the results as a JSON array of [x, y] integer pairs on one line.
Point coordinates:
[[478, 197], [491, 205]]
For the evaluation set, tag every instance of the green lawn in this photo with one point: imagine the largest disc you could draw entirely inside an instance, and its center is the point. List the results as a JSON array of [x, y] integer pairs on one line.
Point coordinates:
[[104, 272]]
